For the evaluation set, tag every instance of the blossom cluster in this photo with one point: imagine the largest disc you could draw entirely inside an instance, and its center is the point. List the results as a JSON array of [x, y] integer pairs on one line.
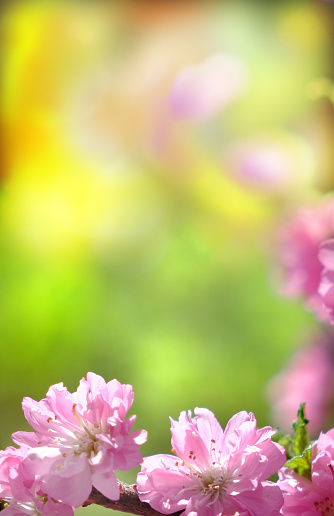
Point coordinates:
[[81, 438]]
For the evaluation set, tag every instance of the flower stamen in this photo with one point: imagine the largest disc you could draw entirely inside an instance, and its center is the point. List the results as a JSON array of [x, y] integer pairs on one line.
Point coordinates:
[[185, 461], [81, 423]]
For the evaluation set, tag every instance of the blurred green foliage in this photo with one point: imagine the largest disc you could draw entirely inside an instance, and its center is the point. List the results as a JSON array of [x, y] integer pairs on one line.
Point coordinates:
[[154, 267]]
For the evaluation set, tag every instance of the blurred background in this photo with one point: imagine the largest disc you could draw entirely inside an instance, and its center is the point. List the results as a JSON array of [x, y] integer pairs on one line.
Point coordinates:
[[150, 152]]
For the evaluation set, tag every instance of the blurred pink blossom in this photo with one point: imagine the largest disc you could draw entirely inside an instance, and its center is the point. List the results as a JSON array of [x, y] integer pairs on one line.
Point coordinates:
[[268, 163], [260, 164], [202, 90], [300, 241], [308, 377], [81, 438], [314, 497], [214, 471], [326, 289]]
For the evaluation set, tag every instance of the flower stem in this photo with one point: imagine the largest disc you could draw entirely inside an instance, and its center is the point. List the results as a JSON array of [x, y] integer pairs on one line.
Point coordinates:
[[128, 502]]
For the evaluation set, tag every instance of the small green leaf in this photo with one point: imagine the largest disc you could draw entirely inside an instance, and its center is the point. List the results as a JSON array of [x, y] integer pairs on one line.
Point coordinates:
[[301, 464], [301, 438], [299, 458]]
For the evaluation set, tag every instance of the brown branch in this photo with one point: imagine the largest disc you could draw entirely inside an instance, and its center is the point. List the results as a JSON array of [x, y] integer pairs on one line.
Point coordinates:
[[128, 502]]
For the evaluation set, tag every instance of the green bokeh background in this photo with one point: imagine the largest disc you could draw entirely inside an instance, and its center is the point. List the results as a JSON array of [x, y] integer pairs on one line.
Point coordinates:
[[183, 302]]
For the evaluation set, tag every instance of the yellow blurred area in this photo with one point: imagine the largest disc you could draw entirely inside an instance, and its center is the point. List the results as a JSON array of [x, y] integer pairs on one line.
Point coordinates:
[[48, 44], [302, 29], [56, 199]]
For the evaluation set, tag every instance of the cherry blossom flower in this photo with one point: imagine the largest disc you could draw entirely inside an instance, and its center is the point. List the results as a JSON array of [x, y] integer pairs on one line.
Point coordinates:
[[21, 492], [315, 496], [326, 288], [300, 242], [308, 377], [214, 471], [81, 438], [200, 91]]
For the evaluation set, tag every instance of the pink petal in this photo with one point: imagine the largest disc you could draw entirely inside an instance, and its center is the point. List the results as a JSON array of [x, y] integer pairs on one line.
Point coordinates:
[[263, 500], [186, 439], [73, 489], [107, 484], [326, 254]]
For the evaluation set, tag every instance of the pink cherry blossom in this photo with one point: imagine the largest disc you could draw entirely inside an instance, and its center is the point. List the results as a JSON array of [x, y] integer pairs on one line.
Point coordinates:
[[314, 497], [21, 492], [214, 471], [300, 241], [201, 90], [81, 438], [326, 288], [308, 377]]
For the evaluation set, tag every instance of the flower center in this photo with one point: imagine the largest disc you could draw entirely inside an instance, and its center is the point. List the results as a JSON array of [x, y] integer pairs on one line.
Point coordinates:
[[215, 481], [212, 482], [325, 507], [42, 497], [88, 442]]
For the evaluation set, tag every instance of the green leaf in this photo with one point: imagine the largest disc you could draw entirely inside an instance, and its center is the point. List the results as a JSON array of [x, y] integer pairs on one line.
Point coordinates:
[[301, 438], [302, 463], [300, 450]]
